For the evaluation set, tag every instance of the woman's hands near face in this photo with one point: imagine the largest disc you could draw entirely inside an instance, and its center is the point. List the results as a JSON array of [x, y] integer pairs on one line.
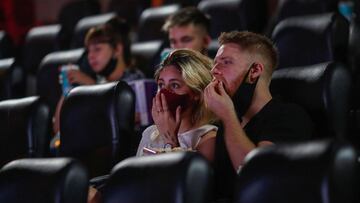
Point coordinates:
[[167, 125]]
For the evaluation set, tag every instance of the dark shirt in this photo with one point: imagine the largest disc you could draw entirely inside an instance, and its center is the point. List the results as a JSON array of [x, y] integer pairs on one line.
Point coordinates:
[[276, 122]]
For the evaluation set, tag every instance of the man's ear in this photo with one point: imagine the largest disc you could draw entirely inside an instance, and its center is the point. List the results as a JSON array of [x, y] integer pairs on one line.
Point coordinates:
[[119, 49], [255, 72], [207, 41]]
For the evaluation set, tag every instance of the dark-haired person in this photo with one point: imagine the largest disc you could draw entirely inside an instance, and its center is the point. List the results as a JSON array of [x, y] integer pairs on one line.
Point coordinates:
[[108, 53], [239, 96]]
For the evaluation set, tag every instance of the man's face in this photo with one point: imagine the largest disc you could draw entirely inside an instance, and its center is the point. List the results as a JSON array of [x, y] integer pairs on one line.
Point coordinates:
[[188, 36], [231, 66]]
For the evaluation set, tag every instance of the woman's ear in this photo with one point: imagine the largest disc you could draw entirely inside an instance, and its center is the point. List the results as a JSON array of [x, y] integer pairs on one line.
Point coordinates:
[[255, 72], [119, 49]]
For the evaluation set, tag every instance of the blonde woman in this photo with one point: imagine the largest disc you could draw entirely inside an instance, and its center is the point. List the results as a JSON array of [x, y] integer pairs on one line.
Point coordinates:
[[181, 120]]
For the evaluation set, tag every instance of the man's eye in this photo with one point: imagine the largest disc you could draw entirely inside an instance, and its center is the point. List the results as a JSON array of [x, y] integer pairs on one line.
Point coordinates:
[[227, 62], [188, 39]]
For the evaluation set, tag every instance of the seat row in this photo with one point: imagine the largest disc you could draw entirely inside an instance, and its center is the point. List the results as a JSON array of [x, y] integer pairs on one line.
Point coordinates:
[[98, 121], [316, 171], [148, 37]]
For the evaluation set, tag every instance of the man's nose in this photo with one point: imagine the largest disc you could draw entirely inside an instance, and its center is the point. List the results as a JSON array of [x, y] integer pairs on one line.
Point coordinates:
[[215, 70]]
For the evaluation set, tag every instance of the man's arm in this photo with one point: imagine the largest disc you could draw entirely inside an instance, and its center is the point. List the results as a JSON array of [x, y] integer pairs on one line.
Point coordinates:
[[237, 143]]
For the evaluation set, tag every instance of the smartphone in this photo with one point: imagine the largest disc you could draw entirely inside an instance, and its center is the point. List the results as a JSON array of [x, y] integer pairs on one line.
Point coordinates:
[[149, 151]]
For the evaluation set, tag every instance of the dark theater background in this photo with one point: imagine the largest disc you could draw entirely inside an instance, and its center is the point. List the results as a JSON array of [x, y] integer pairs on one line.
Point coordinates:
[[318, 44]]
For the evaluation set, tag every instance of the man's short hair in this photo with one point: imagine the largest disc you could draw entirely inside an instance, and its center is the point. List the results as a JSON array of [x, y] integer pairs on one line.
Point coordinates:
[[187, 16], [255, 44]]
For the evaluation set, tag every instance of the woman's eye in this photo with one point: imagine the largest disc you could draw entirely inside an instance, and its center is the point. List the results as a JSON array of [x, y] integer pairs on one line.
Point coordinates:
[[227, 62], [160, 85], [175, 85]]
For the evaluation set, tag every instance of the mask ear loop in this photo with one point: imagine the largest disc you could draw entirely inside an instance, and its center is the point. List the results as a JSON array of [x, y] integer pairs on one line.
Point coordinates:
[[246, 77]]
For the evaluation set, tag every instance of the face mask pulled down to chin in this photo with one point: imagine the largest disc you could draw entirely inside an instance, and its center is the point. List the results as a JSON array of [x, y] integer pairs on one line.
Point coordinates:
[[243, 97], [174, 100], [109, 68]]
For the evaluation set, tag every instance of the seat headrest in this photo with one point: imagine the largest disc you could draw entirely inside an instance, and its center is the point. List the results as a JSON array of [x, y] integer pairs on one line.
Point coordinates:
[[152, 19], [43, 180], [145, 53], [7, 85], [24, 128], [229, 15], [84, 25], [311, 39], [322, 89], [173, 177], [39, 41], [7, 47], [314, 171], [98, 121], [48, 86]]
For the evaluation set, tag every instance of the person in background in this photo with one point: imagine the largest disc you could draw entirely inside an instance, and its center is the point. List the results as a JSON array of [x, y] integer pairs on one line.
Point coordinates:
[[109, 56], [188, 28], [182, 122], [108, 53], [239, 96]]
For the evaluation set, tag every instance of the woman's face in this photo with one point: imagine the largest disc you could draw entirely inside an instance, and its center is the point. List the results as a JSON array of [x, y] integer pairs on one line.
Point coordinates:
[[99, 54], [171, 79]]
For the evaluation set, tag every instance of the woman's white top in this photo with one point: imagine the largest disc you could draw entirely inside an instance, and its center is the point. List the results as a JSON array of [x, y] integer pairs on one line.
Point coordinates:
[[188, 140]]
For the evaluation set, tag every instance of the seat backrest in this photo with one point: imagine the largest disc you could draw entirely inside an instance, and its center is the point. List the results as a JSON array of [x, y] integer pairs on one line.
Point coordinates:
[[146, 54], [97, 125], [24, 129], [174, 177], [322, 89], [229, 15], [151, 21], [43, 180], [306, 40], [84, 25], [182, 3], [11, 79], [48, 86], [290, 8], [39, 41], [321, 171], [128, 9], [69, 16], [354, 63], [7, 47]]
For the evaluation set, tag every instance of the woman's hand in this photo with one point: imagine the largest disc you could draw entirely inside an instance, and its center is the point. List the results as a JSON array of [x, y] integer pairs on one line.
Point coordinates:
[[76, 76], [167, 125], [217, 100]]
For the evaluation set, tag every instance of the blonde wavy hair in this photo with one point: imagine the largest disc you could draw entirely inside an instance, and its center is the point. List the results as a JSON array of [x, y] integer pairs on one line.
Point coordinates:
[[195, 71]]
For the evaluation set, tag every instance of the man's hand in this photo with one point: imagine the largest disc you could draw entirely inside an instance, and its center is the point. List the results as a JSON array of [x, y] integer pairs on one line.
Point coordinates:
[[217, 100]]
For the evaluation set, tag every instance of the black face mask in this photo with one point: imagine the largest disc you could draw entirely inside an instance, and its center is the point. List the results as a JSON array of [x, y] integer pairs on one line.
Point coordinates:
[[109, 68], [243, 96]]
